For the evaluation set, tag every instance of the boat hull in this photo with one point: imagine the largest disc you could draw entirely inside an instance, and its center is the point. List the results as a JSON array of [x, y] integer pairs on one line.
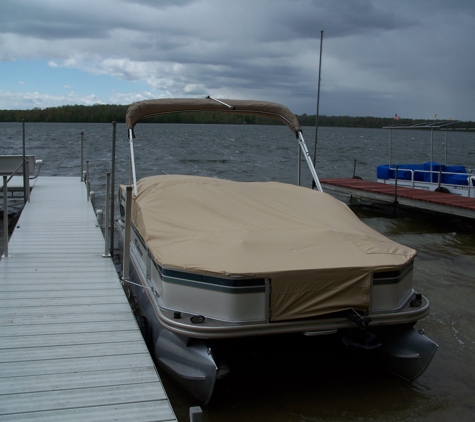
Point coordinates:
[[200, 314], [406, 352], [197, 363], [400, 350], [189, 361]]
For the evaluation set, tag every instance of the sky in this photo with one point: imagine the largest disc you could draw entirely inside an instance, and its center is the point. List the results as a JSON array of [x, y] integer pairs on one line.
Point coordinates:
[[414, 58]]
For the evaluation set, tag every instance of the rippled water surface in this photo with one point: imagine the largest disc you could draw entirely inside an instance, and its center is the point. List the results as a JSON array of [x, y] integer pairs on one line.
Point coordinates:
[[321, 384]]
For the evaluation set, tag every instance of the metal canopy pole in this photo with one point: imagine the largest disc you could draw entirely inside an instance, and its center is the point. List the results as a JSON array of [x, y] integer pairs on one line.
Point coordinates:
[[132, 160], [303, 147], [299, 158], [318, 99]]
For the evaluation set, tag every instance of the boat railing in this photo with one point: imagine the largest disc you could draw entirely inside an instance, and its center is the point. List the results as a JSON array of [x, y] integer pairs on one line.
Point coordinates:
[[432, 176]]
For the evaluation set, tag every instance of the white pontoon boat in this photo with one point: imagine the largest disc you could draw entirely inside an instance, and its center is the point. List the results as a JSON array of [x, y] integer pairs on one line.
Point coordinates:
[[211, 261], [433, 176]]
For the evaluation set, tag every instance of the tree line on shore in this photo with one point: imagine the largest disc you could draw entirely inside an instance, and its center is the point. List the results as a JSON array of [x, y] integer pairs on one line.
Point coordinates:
[[103, 113]]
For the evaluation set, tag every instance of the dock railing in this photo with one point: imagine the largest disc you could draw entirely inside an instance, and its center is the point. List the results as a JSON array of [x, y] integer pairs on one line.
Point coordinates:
[[7, 163], [86, 178], [5, 217]]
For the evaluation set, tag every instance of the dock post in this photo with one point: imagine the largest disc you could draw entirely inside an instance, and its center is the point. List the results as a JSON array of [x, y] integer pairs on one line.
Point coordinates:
[[24, 162], [128, 209], [5, 217], [82, 156], [88, 183], [112, 190], [26, 172], [106, 253], [196, 414], [92, 197]]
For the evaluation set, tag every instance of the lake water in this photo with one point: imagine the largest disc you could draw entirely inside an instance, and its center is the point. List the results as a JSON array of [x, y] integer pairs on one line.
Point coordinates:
[[311, 385]]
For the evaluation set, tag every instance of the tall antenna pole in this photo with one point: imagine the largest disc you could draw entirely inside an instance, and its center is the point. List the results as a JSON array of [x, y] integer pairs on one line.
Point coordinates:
[[318, 99]]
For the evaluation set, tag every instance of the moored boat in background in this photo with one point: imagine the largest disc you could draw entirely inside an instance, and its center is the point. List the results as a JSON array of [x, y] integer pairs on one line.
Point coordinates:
[[431, 175]]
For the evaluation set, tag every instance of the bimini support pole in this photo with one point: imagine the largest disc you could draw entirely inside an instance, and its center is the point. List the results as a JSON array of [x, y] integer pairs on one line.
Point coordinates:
[[299, 171], [132, 161], [306, 154]]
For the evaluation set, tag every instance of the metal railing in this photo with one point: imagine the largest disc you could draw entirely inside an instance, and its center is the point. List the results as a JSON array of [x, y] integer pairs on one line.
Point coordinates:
[[470, 178], [5, 217], [24, 163], [90, 196]]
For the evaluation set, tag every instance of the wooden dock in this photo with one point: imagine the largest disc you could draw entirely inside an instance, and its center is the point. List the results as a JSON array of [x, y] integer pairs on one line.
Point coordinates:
[[70, 349], [414, 198]]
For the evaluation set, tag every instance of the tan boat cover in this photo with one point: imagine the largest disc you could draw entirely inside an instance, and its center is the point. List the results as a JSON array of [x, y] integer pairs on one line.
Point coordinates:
[[318, 255], [141, 109]]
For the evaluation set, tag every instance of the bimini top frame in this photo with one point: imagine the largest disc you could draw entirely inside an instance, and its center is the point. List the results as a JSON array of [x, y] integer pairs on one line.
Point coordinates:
[[142, 109]]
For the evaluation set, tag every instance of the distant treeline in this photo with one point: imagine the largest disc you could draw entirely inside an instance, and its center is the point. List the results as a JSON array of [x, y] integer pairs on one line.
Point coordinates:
[[110, 113]]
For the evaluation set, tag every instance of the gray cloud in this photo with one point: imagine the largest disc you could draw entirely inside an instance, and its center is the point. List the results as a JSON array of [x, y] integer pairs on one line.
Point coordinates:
[[379, 57]]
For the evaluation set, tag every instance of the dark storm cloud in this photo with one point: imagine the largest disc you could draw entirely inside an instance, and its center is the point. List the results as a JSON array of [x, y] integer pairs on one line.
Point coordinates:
[[378, 56], [44, 21], [343, 19], [162, 4]]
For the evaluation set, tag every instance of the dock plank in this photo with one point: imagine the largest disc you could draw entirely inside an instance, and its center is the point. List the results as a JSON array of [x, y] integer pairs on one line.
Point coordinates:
[[8, 370], [54, 382], [137, 412], [60, 311], [72, 327], [79, 398], [69, 339]]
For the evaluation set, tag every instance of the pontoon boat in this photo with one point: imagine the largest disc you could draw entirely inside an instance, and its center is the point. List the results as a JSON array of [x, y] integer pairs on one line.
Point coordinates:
[[431, 175], [211, 261]]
